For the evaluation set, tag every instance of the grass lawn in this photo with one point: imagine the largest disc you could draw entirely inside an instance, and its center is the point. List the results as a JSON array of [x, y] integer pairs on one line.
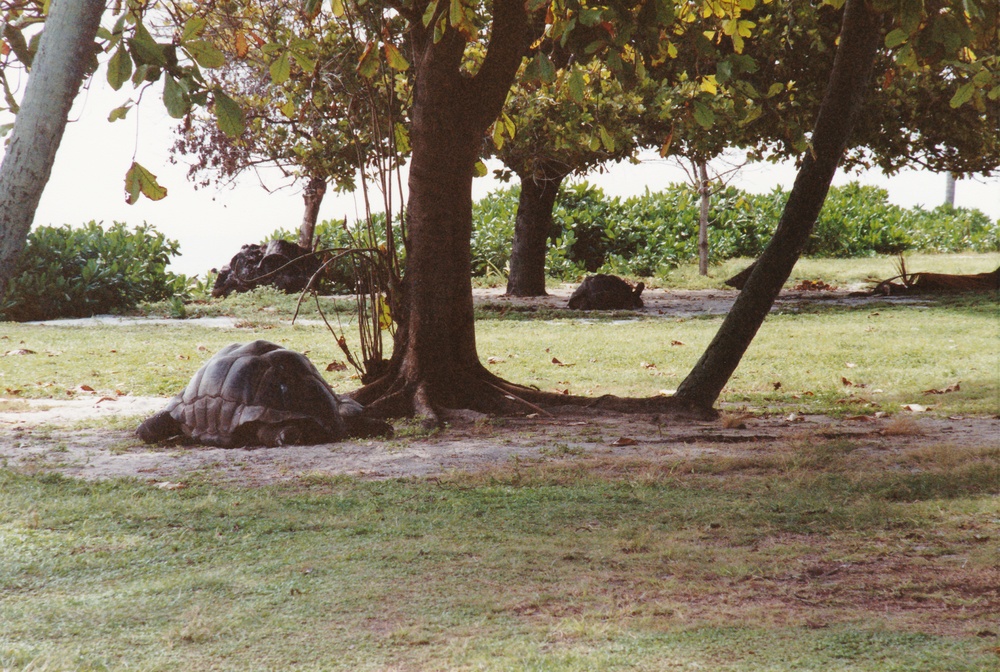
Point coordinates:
[[815, 553]]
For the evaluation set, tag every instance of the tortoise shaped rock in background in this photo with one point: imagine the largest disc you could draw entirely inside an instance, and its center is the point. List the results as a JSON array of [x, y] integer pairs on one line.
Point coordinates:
[[606, 292], [259, 394]]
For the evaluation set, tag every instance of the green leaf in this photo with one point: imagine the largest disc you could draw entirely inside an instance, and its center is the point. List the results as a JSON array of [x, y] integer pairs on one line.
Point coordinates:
[[396, 60], [144, 49], [192, 28], [479, 170], [338, 8], [963, 94], [576, 86], [703, 115], [895, 38], [228, 114], [174, 99], [119, 112], [455, 13], [138, 181], [281, 69], [429, 13], [312, 8], [205, 54], [288, 109], [304, 62], [546, 70], [402, 136], [606, 139], [368, 65], [119, 68]]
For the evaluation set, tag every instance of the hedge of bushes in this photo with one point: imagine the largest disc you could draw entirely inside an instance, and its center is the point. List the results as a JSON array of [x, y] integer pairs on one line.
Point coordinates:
[[647, 235], [78, 272]]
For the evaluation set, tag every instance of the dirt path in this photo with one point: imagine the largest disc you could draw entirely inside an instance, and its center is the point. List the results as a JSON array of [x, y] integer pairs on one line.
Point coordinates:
[[46, 436]]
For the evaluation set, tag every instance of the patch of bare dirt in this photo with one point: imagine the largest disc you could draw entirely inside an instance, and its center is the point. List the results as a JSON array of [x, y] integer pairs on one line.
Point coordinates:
[[47, 436], [692, 302]]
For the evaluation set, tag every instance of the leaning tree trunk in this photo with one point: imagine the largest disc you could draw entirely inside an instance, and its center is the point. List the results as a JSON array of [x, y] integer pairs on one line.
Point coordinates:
[[435, 365], [860, 37], [64, 52], [531, 232], [705, 194], [313, 197]]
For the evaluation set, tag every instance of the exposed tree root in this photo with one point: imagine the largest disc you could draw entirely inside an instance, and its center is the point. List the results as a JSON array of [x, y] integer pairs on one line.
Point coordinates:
[[481, 391]]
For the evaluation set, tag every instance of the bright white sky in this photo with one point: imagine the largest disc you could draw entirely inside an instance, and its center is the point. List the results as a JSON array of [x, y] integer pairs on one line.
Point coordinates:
[[88, 183]]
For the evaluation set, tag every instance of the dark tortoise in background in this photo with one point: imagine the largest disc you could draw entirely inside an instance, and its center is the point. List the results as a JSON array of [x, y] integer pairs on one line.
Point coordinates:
[[259, 394], [606, 292]]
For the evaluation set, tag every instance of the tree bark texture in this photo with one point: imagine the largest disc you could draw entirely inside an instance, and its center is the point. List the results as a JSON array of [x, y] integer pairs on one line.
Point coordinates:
[[531, 233], [849, 83], [57, 72], [313, 198], [435, 365], [703, 192]]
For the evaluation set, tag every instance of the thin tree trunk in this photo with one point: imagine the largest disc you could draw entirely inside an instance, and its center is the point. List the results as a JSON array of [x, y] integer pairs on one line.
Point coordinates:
[[313, 197], [703, 191], [849, 84], [531, 233], [949, 189], [65, 50]]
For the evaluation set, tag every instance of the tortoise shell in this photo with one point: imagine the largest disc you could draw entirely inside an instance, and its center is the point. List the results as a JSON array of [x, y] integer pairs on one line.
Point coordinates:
[[256, 394]]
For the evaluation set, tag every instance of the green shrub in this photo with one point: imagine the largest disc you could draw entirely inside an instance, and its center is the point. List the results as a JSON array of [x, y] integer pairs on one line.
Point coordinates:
[[493, 231], [78, 272], [950, 229], [649, 234], [341, 275]]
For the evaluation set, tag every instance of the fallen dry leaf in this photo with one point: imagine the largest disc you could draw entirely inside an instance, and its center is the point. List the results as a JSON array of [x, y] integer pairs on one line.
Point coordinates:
[[183, 357], [336, 366], [558, 363], [168, 485], [624, 441], [86, 388], [845, 382], [647, 365], [916, 408], [677, 343], [776, 385], [19, 351], [849, 365], [495, 360], [667, 393], [104, 399], [954, 387]]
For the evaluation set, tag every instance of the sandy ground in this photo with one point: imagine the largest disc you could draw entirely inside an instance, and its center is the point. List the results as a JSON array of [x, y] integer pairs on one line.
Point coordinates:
[[49, 438], [62, 435]]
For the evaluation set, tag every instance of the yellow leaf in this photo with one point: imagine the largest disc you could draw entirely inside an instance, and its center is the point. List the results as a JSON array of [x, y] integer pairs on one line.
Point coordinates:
[[241, 46], [138, 180], [396, 60], [709, 85]]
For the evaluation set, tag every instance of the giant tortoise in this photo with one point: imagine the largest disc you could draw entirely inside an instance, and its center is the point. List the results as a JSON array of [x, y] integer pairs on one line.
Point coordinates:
[[606, 292], [259, 394]]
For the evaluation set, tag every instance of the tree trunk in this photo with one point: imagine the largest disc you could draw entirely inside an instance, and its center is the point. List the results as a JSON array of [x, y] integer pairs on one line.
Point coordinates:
[[65, 49], [860, 38], [435, 365], [949, 189], [703, 191], [531, 233], [313, 197]]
